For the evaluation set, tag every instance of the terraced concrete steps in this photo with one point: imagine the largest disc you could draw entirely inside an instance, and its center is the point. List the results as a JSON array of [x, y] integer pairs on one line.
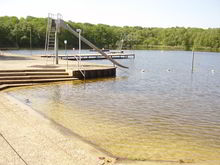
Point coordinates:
[[34, 77], [35, 80], [14, 78], [5, 86], [34, 70], [31, 73]]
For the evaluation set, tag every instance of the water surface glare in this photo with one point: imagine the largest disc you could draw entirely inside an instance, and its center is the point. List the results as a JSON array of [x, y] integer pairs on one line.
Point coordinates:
[[156, 110]]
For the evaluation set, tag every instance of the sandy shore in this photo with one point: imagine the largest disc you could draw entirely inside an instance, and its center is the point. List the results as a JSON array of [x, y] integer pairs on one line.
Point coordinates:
[[37, 140]]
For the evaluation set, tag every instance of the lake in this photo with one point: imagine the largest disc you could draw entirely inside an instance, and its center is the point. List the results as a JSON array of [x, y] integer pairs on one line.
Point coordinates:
[[156, 110]]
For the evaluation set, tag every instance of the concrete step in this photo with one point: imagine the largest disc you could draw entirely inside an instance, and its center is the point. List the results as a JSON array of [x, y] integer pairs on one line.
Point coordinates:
[[5, 86], [34, 81], [34, 77], [31, 73], [34, 70]]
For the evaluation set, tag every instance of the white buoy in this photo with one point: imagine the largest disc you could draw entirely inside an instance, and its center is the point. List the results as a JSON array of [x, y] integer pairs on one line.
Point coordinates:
[[213, 71]]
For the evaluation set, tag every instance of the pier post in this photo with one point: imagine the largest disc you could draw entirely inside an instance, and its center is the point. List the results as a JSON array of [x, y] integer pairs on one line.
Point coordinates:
[[193, 61]]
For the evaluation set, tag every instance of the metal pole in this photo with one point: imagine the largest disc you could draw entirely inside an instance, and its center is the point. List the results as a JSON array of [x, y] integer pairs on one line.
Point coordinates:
[[79, 41], [193, 62], [56, 47], [79, 31], [30, 41], [80, 46], [65, 42]]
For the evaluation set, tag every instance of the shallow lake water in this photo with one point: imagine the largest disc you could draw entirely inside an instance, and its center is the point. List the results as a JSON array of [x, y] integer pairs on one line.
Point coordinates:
[[156, 110]]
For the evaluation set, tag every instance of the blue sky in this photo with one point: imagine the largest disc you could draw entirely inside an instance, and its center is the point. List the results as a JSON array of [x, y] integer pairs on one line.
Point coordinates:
[[146, 13]]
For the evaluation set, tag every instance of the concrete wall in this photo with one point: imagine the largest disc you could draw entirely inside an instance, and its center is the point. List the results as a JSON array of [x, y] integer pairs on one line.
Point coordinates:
[[96, 73]]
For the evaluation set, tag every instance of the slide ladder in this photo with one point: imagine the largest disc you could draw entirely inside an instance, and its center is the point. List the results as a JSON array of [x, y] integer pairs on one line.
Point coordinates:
[[53, 27], [50, 36]]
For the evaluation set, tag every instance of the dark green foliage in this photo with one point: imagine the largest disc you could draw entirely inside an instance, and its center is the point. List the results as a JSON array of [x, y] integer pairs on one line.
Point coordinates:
[[15, 33]]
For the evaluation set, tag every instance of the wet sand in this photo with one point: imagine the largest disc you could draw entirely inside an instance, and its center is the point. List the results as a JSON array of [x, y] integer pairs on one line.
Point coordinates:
[[37, 140]]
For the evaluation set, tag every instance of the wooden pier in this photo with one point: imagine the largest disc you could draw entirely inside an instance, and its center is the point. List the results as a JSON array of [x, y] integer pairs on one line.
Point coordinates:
[[93, 56]]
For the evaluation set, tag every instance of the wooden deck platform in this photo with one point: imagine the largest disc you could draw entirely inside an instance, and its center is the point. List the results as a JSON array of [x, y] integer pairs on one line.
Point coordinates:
[[93, 56]]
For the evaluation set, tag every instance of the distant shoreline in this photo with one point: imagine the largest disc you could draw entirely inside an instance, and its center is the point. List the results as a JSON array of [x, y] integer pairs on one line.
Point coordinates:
[[138, 47], [31, 34], [156, 47]]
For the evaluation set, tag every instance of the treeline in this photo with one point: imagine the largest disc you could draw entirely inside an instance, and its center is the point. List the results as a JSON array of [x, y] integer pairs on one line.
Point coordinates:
[[15, 33]]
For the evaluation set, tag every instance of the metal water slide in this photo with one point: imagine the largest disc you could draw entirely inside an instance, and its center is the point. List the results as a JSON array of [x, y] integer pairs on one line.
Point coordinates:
[[62, 24]]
